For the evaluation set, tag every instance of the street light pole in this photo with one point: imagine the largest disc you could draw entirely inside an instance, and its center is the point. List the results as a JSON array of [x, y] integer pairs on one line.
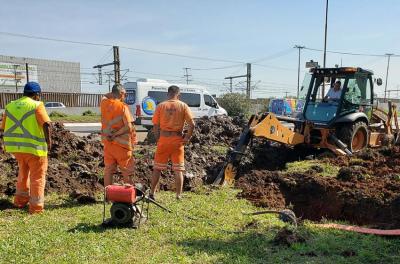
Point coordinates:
[[326, 33], [298, 69], [387, 73]]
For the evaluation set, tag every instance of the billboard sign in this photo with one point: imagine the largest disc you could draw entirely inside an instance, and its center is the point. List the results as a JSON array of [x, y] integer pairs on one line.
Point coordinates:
[[11, 73]]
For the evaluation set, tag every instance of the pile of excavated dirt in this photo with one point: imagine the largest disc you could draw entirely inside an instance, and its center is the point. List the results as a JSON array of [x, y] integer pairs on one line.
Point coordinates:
[[204, 155], [366, 190], [75, 164]]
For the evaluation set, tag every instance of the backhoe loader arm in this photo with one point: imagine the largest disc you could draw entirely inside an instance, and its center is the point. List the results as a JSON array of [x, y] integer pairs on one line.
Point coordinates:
[[267, 126]]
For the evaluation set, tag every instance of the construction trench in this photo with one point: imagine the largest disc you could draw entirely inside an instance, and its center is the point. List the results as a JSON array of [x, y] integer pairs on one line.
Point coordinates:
[[365, 189]]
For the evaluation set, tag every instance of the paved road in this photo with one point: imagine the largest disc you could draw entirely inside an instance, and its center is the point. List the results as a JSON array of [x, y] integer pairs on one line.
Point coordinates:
[[84, 129]]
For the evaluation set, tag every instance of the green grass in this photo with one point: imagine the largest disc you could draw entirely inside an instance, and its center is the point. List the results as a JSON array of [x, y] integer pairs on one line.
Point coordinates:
[[76, 119], [69, 233], [221, 150], [304, 165]]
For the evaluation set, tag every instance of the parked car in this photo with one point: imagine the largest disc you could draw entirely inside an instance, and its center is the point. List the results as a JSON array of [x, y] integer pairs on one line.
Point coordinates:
[[145, 94], [54, 105]]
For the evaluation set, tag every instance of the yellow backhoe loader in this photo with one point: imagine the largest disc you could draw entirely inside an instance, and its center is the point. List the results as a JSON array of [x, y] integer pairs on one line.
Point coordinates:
[[345, 124]]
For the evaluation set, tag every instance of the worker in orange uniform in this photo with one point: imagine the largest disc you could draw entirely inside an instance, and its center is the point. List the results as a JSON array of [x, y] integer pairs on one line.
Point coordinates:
[[117, 130], [27, 135], [168, 120]]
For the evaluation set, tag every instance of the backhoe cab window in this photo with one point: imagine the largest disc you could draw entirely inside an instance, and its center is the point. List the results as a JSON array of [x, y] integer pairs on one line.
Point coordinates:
[[317, 109], [358, 92], [304, 87]]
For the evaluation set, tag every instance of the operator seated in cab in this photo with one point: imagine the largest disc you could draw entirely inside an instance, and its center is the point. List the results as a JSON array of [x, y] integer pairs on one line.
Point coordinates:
[[334, 93]]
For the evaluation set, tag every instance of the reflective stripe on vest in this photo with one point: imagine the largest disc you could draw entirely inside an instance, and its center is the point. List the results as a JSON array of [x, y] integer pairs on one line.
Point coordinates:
[[18, 124], [22, 132], [108, 131]]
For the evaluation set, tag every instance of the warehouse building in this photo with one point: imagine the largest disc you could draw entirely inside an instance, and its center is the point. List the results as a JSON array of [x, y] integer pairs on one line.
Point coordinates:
[[53, 76]]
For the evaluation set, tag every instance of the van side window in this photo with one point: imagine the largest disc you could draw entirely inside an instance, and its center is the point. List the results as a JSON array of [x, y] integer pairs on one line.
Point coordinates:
[[158, 96], [192, 100], [208, 100]]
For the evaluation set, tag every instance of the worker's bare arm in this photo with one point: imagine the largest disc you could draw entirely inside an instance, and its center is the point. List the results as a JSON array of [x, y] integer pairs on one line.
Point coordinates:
[[47, 134], [1, 141], [156, 131], [189, 134]]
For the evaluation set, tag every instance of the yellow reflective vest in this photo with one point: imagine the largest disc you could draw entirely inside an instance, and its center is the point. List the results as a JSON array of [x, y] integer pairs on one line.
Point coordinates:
[[22, 132]]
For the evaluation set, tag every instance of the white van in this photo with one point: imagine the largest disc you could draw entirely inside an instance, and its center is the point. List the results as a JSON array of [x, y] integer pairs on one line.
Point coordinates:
[[144, 95]]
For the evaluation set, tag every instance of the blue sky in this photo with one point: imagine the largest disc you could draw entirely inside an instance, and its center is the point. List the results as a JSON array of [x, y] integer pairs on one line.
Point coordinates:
[[244, 31]]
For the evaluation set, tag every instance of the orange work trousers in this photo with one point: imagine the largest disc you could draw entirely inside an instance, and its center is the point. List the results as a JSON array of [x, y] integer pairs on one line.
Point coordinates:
[[170, 148], [31, 182], [116, 156]]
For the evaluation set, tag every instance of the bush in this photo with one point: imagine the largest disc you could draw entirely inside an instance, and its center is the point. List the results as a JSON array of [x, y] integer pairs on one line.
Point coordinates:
[[57, 114], [235, 104], [89, 113]]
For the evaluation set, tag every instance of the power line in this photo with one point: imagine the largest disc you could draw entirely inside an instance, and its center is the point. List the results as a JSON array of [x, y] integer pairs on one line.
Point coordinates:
[[274, 56], [275, 67], [218, 68], [123, 47], [350, 53]]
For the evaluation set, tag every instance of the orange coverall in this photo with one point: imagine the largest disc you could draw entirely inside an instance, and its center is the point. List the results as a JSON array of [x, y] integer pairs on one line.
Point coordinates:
[[31, 172], [117, 151], [170, 116]]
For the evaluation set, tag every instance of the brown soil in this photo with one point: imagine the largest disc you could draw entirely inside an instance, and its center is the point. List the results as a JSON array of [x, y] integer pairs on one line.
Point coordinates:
[[367, 193], [202, 160], [74, 165], [287, 237]]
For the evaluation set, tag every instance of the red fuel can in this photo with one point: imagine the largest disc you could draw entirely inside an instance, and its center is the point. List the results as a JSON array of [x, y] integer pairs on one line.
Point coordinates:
[[121, 193]]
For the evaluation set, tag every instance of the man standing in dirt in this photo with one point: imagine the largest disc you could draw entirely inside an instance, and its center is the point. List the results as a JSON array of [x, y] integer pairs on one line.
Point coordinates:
[[168, 120], [27, 135], [116, 132]]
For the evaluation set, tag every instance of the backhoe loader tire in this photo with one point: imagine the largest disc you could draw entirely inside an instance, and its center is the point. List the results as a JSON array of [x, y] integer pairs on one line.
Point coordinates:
[[355, 135]]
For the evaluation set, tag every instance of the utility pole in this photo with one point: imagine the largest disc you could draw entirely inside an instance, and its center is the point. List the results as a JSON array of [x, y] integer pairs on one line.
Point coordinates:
[[326, 33], [230, 83], [116, 63], [286, 93], [27, 72], [100, 76], [109, 81], [117, 73], [15, 77], [387, 73], [186, 75], [298, 69], [248, 81]]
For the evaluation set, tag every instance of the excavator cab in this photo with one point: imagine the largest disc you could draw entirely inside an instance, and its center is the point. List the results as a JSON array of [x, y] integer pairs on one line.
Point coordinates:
[[342, 120], [355, 94]]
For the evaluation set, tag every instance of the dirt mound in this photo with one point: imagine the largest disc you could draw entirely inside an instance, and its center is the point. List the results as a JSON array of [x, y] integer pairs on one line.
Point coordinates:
[[287, 237], [204, 155], [372, 201], [74, 164]]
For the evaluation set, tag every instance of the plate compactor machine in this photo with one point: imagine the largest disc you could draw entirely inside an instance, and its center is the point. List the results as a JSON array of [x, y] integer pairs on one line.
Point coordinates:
[[343, 125], [128, 206]]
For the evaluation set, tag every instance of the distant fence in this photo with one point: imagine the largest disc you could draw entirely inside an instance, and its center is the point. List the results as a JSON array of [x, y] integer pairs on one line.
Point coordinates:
[[68, 99]]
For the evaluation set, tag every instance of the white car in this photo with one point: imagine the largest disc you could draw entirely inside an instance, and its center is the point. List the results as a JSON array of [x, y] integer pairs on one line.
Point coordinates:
[[145, 94], [54, 105]]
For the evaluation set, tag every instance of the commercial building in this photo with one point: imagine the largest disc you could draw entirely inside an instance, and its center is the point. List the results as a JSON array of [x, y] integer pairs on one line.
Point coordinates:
[[53, 76]]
